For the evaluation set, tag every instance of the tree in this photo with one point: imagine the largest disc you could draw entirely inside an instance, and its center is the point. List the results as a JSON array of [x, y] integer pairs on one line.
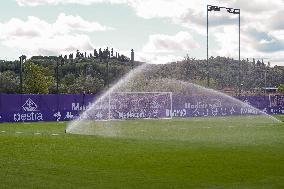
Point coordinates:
[[66, 83], [35, 80], [9, 82], [281, 88], [83, 84]]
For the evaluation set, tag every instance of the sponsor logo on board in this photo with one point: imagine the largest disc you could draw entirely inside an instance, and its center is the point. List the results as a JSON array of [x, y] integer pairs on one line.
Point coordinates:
[[30, 112]]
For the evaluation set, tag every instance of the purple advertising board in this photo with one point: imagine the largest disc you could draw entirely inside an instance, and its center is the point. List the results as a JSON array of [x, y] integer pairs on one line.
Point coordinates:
[[34, 108], [64, 107]]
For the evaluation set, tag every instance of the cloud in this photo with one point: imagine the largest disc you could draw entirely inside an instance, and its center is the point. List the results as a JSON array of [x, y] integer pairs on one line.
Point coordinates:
[[18, 28], [254, 44], [35, 36], [191, 18], [67, 23], [264, 16], [162, 49], [277, 20], [263, 41], [156, 58], [52, 45], [34, 3], [227, 42], [257, 6], [187, 13], [161, 43]]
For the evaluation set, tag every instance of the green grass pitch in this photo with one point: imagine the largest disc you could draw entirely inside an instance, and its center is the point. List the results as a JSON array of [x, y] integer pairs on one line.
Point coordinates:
[[211, 154]]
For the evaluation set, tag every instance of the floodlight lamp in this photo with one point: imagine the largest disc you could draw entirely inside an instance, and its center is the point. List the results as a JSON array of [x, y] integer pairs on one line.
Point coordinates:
[[209, 8], [230, 10], [236, 11], [215, 8]]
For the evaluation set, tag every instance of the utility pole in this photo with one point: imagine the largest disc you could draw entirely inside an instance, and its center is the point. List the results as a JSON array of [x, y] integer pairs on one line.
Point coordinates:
[[22, 60], [132, 58], [107, 73], [57, 78], [265, 78]]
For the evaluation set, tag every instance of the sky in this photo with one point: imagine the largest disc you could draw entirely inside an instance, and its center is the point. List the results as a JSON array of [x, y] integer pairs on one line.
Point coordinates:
[[159, 31]]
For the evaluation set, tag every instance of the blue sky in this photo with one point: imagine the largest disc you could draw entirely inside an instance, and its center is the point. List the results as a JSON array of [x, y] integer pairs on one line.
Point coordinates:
[[158, 30]]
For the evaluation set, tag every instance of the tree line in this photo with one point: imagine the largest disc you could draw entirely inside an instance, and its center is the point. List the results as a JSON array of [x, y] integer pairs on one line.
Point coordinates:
[[93, 74]]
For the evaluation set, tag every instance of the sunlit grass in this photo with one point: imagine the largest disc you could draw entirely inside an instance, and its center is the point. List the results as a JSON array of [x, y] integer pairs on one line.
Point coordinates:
[[211, 153]]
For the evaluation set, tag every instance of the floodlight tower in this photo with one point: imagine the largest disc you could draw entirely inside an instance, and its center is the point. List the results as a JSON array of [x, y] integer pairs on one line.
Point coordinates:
[[231, 11]]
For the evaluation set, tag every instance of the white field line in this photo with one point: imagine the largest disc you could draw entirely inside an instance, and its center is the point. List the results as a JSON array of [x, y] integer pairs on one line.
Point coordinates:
[[20, 132]]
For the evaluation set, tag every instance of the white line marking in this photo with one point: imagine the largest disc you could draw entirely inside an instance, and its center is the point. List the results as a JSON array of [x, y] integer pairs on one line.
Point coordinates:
[[3, 131], [54, 134], [19, 132], [37, 133]]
